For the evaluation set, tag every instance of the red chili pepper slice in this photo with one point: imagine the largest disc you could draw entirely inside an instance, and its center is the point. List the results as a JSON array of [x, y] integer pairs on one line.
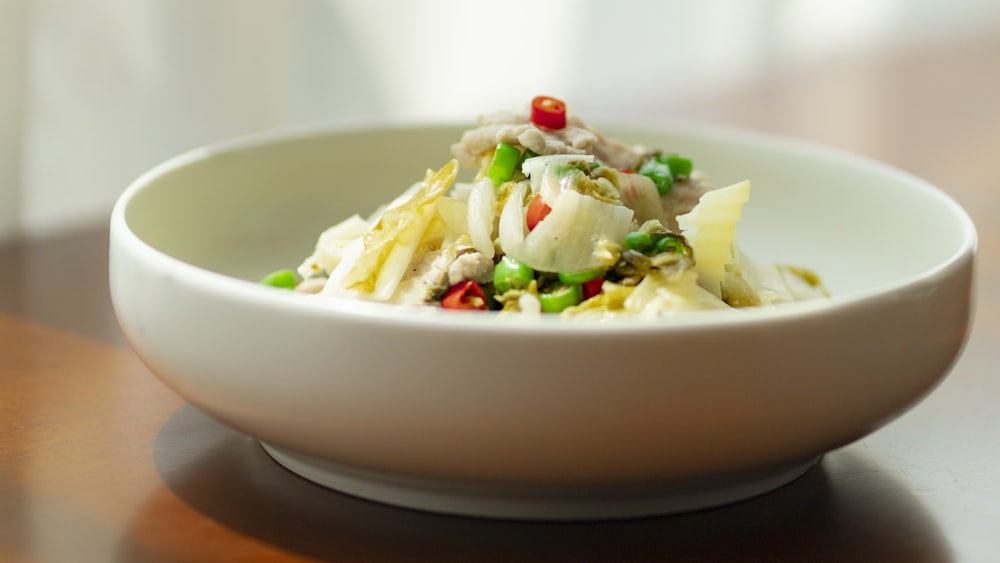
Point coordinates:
[[592, 287], [537, 210], [464, 295], [548, 112]]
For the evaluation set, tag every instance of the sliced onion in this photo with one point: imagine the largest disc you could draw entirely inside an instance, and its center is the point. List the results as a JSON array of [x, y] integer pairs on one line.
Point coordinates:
[[567, 239], [512, 223], [639, 193], [481, 215], [535, 167]]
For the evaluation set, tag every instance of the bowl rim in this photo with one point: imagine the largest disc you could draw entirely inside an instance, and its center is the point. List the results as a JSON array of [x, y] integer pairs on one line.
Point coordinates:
[[228, 287]]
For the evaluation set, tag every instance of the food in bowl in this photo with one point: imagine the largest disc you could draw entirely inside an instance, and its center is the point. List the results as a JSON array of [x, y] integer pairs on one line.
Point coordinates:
[[559, 218], [538, 416]]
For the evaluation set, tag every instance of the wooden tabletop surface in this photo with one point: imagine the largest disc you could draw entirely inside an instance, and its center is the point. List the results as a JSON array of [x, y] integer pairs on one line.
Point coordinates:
[[100, 462]]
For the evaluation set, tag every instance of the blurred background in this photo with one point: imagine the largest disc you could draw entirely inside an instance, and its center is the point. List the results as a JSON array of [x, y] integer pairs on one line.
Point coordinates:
[[94, 93]]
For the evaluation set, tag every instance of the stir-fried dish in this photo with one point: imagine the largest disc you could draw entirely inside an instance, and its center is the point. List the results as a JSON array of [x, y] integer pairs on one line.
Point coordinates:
[[559, 219]]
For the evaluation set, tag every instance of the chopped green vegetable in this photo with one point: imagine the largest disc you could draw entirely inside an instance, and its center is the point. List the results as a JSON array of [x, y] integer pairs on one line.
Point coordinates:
[[664, 169], [284, 279], [580, 277], [528, 153], [505, 160], [639, 241], [563, 296], [679, 165], [669, 243], [510, 274], [659, 172]]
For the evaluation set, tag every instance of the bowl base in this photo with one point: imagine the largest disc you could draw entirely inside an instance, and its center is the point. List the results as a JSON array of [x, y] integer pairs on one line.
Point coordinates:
[[540, 504]]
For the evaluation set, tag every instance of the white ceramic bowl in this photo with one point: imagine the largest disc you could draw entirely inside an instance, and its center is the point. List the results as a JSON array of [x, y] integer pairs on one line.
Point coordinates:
[[539, 418]]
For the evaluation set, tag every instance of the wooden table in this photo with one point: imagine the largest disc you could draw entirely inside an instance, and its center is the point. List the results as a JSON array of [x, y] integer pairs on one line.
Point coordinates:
[[100, 462]]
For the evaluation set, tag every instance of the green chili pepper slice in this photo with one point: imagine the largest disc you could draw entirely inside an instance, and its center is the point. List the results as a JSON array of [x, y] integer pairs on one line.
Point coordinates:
[[665, 169], [284, 279], [639, 241], [679, 165], [528, 153], [505, 160], [580, 277], [659, 172], [560, 298], [510, 274], [669, 243]]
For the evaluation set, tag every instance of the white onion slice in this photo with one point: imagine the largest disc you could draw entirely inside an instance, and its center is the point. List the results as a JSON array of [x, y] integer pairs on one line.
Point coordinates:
[[639, 193], [512, 224], [481, 214], [534, 167], [566, 240]]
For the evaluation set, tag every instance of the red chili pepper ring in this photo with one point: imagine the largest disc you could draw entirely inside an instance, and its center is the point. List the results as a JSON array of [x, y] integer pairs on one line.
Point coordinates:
[[548, 112]]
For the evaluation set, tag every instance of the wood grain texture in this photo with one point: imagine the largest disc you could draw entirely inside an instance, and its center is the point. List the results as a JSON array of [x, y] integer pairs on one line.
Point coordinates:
[[101, 463]]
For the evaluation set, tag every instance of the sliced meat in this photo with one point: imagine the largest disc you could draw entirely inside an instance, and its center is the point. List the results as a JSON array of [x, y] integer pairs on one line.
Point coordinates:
[[516, 128]]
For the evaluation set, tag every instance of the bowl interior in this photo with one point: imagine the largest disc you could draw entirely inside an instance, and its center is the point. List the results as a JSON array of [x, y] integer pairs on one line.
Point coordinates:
[[256, 205]]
